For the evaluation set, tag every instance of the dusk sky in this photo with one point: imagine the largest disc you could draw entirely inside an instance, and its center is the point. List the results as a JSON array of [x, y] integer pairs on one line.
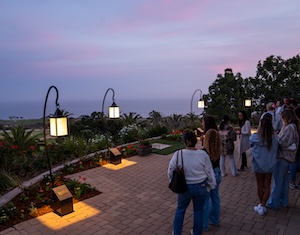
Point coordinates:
[[151, 49]]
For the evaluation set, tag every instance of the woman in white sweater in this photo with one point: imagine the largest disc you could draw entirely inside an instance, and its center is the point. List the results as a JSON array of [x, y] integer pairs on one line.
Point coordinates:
[[245, 132], [199, 177]]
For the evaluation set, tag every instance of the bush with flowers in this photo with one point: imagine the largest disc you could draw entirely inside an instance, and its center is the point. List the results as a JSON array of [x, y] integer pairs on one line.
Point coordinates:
[[131, 133], [128, 150], [176, 135]]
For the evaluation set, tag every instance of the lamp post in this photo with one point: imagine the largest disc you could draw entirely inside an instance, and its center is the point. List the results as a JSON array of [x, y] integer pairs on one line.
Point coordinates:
[[113, 110], [58, 126], [200, 101], [113, 113]]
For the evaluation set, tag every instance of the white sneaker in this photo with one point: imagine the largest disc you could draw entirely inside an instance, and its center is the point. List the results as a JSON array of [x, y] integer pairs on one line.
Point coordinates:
[[192, 232], [257, 207], [262, 210]]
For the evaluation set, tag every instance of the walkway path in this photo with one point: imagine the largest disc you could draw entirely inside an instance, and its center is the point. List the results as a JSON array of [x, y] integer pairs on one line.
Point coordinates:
[[135, 200]]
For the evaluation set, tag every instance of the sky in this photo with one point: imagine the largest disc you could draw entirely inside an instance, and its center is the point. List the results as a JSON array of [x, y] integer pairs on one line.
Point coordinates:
[[143, 49]]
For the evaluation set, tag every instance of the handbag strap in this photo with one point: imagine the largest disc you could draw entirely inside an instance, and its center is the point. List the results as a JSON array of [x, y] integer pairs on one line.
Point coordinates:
[[181, 159]]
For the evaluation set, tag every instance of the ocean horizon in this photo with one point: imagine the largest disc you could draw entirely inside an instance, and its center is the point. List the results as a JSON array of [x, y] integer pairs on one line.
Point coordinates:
[[34, 109]]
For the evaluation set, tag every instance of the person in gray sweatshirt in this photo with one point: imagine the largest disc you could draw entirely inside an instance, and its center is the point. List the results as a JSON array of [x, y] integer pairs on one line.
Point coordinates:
[[288, 139], [199, 177]]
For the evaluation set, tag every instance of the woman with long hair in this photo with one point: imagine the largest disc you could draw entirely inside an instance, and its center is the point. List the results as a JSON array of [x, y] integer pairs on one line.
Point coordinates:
[[264, 147], [228, 136], [288, 140], [213, 146], [208, 122], [295, 165], [245, 132], [199, 178]]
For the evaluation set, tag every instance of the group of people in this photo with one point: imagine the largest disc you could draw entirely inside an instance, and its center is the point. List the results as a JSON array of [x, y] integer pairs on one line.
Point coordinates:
[[275, 153], [274, 150]]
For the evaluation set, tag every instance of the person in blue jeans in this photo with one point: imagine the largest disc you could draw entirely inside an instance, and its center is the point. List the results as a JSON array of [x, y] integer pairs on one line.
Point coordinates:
[[199, 177], [213, 146], [295, 165], [288, 140]]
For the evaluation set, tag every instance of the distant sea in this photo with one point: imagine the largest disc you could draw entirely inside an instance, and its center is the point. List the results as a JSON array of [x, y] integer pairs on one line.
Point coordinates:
[[34, 109]]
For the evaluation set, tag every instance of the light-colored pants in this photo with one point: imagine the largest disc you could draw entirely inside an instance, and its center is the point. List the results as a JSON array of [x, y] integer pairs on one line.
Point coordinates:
[[232, 164], [280, 185]]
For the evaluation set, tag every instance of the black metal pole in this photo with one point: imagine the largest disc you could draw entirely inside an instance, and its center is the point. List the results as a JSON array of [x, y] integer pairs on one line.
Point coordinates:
[[44, 127]]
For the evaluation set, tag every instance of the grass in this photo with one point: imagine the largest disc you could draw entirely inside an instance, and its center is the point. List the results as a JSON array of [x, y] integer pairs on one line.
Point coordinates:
[[174, 145]]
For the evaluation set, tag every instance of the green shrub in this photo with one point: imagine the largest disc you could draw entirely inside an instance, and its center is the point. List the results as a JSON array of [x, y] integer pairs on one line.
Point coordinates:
[[6, 181], [157, 130], [6, 212]]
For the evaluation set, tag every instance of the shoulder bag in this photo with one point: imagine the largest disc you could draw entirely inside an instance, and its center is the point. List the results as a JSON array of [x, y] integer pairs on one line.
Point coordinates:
[[178, 183]]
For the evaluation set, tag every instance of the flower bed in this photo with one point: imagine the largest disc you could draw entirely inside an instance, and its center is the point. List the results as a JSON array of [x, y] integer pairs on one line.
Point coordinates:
[[37, 199]]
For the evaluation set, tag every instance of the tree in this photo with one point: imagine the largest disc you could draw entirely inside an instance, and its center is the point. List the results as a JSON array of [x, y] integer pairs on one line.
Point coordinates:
[[174, 121], [155, 117], [131, 118], [275, 79], [226, 95], [293, 84]]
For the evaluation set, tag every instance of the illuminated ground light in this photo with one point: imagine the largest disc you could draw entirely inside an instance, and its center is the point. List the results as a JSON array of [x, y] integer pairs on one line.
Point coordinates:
[[125, 163], [81, 212]]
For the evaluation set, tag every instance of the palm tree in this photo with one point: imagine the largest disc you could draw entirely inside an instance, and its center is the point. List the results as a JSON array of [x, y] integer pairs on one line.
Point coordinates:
[[174, 121], [155, 117], [22, 137], [131, 118]]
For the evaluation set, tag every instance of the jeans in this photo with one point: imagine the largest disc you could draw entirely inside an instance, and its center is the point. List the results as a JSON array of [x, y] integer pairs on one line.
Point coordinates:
[[280, 185], [232, 164], [197, 193], [212, 205]]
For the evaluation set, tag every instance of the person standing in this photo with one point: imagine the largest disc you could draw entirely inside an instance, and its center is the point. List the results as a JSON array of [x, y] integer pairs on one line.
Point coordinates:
[[276, 121], [228, 136], [208, 122], [213, 146], [244, 144], [295, 165], [278, 107], [199, 177], [288, 139], [264, 147]]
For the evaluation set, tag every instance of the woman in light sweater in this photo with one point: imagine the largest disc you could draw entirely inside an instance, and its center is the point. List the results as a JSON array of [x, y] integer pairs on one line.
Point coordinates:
[[245, 132], [199, 177], [288, 140]]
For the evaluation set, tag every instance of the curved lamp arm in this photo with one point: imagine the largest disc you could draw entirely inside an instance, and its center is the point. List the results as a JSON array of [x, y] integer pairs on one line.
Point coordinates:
[[114, 110], [193, 98], [113, 98]]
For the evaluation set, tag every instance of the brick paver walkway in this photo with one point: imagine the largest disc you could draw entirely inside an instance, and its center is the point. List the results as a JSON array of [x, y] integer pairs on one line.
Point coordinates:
[[135, 200]]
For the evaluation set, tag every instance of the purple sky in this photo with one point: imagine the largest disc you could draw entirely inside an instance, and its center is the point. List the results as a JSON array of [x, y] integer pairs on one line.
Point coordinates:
[[151, 49]]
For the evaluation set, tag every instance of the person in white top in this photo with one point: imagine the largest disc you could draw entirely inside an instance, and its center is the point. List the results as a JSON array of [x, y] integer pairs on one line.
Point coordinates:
[[276, 119], [244, 144], [200, 179]]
